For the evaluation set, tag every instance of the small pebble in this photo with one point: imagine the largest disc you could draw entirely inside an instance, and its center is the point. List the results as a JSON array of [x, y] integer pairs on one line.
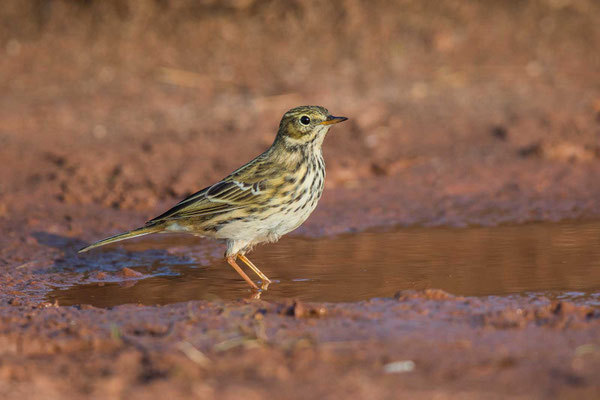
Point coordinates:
[[397, 367]]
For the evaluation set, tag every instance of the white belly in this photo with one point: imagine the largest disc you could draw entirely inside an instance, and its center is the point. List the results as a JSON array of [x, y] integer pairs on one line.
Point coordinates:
[[281, 221], [244, 234]]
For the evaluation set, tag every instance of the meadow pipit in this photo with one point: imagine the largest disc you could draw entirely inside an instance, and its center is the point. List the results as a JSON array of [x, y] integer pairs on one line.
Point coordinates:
[[259, 202]]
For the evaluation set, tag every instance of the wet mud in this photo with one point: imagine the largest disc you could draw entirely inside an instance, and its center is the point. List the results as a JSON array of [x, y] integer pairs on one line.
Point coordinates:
[[455, 251]]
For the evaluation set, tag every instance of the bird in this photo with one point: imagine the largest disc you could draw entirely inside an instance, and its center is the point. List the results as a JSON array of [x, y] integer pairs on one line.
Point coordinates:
[[259, 202]]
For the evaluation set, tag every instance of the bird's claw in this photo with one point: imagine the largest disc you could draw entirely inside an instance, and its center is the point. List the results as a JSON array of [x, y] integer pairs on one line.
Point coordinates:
[[256, 293]]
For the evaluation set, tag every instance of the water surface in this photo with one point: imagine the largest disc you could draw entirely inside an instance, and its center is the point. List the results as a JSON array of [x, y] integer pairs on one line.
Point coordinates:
[[556, 259]]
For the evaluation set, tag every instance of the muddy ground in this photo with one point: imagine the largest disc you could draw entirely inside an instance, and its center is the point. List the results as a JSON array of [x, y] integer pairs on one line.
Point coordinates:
[[461, 113]]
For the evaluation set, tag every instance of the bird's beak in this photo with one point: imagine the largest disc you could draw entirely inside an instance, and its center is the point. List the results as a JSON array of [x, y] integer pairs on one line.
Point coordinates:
[[333, 120]]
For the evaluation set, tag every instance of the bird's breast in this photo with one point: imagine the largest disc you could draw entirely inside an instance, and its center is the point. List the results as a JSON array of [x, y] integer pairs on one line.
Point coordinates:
[[302, 199]]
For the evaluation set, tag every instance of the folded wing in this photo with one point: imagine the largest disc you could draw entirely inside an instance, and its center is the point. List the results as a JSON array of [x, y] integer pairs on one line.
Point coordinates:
[[242, 188]]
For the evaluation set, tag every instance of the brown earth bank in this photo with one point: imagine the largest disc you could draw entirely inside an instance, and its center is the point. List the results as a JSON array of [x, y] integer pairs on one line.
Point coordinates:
[[461, 113], [418, 345]]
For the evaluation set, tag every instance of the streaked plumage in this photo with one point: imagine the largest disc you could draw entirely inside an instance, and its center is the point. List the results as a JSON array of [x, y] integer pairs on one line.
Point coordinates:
[[262, 200]]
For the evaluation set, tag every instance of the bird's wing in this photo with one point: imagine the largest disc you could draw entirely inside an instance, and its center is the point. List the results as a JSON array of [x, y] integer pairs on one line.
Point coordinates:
[[244, 187]]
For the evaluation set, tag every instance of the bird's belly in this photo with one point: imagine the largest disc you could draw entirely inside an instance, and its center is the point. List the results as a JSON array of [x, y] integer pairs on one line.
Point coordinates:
[[266, 228], [269, 227]]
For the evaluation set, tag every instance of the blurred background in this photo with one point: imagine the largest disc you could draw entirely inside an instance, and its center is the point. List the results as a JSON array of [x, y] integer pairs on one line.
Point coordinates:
[[128, 104]]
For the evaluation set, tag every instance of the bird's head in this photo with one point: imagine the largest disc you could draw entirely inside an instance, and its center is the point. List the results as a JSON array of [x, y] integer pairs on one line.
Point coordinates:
[[306, 125]]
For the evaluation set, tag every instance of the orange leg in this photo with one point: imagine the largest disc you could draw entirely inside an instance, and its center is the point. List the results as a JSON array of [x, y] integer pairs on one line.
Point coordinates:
[[265, 280], [231, 261]]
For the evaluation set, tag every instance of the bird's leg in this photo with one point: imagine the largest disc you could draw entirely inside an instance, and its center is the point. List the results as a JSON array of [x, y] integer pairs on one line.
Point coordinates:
[[265, 280], [231, 261]]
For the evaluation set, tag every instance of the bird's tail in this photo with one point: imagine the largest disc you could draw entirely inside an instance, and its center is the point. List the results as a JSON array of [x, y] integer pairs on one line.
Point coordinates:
[[145, 230]]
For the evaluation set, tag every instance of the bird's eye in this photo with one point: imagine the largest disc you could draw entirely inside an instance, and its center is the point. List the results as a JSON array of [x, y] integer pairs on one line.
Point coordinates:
[[305, 120]]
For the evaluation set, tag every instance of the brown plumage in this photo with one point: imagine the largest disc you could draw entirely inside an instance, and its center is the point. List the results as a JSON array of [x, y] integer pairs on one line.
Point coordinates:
[[260, 201]]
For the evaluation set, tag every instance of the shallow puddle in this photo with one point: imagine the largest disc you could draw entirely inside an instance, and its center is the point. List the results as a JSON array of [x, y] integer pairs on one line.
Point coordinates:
[[560, 260]]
